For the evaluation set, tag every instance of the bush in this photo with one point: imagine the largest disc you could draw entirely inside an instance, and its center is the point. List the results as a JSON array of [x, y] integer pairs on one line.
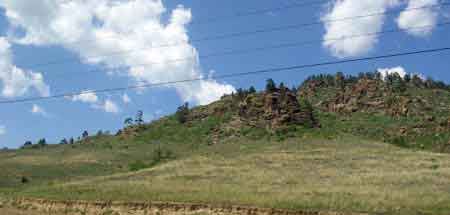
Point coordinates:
[[24, 180], [182, 113]]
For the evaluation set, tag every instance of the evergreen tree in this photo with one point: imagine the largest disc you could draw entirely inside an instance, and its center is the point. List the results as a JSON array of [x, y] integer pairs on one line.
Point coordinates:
[[270, 86], [397, 83], [42, 142], [128, 122], [64, 142], [139, 117], [252, 90], [378, 76], [182, 113], [407, 78], [240, 93], [85, 135]]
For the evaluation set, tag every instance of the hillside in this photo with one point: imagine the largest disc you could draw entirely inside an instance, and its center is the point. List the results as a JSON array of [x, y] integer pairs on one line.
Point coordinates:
[[409, 112], [336, 143]]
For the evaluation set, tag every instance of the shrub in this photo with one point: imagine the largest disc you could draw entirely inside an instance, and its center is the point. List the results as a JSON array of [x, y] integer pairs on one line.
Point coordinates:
[[24, 180], [182, 113]]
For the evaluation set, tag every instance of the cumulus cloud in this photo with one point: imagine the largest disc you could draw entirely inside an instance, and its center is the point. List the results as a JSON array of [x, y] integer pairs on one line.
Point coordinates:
[[2, 130], [38, 110], [351, 8], [387, 71], [16, 81], [126, 99], [399, 70], [422, 17], [342, 9], [91, 98], [108, 106], [107, 26], [204, 92], [86, 97]]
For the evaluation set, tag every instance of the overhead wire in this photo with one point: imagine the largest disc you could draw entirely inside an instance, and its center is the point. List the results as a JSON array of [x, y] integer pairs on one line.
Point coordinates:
[[231, 35], [269, 70], [257, 49]]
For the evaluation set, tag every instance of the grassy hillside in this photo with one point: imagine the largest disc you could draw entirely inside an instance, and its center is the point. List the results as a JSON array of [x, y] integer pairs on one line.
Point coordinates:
[[356, 144], [342, 174]]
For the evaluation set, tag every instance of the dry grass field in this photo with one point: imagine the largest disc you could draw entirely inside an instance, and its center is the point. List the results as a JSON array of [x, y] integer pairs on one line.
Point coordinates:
[[346, 174]]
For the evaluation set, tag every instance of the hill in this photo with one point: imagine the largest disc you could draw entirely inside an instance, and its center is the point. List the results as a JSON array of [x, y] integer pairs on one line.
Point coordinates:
[[336, 143]]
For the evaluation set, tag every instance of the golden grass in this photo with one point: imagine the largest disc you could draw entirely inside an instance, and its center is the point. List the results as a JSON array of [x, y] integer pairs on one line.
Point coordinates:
[[341, 175]]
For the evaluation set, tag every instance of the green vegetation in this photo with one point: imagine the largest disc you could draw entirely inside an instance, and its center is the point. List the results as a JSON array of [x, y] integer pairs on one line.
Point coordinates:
[[321, 146], [344, 173]]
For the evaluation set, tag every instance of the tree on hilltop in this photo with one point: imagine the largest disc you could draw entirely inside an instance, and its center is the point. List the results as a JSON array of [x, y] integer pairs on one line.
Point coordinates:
[[270, 85], [139, 117], [182, 113]]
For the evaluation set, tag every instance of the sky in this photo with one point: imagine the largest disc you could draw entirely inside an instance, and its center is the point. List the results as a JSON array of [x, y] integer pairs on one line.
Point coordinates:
[[50, 47]]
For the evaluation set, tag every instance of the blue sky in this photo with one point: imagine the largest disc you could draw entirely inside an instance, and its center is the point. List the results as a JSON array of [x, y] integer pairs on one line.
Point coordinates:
[[40, 32]]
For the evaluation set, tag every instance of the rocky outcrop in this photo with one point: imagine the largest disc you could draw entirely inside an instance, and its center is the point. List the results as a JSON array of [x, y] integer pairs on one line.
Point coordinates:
[[365, 95], [275, 110]]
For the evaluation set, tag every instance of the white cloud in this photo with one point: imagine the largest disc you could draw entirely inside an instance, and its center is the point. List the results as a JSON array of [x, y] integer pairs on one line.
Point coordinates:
[[387, 71], [204, 92], [17, 82], [126, 99], [108, 106], [108, 26], [341, 29], [419, 18], [38, 110], [415, 15], [2, 130], [86, 97], [91, 98], [399, 70]]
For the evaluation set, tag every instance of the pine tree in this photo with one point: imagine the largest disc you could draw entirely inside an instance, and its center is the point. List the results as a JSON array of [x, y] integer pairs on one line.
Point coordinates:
[[42, 142], [85, 135], [182, 113], [270, 86], [63, 141], [128, 121], [252, 90], [139, 117]]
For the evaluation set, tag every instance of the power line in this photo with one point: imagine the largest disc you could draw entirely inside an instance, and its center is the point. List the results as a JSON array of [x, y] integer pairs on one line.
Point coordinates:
[[264, 48], [234, 35], [232, 16], [270, 70], [237, 15], [242, 14], [260, 11]]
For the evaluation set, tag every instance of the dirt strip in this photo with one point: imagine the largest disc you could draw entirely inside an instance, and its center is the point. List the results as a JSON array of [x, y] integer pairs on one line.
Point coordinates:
[[146, 208]]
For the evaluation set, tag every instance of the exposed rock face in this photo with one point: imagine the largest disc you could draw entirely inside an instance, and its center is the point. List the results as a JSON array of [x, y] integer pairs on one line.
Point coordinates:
[[366, 95], [276, 109]]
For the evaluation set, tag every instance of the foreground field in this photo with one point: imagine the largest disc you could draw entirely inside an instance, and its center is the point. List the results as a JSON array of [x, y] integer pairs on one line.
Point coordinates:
[[346, 174]]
